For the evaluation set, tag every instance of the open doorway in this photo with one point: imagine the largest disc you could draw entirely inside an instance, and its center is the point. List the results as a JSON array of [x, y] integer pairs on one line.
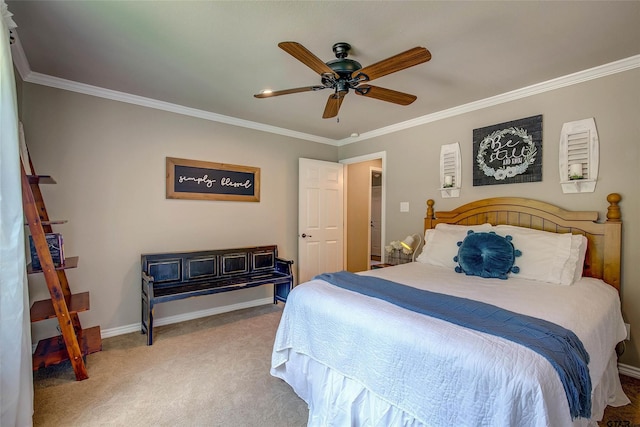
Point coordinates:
[[376, 251], [358, 213]]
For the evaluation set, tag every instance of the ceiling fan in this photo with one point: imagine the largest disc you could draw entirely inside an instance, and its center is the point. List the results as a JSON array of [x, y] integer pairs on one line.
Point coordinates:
[[342, 74]]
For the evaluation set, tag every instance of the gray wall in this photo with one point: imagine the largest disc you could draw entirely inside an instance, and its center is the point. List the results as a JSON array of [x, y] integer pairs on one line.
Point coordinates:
[[614, 101], [108, 159]]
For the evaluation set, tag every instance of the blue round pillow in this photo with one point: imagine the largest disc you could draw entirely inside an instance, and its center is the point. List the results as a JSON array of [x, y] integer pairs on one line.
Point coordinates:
[[487, 255]]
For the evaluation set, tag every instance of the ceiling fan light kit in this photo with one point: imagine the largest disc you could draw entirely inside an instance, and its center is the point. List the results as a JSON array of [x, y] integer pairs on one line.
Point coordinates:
[[342, 74]]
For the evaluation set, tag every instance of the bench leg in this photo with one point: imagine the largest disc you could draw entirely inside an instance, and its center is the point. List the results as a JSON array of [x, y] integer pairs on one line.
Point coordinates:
[[281, 292], [143, 316], [150, 327], [150, 324], [147, 319]]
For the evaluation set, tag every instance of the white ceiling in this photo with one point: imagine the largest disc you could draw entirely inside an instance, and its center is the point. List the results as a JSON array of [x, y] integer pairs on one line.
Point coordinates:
[[212, 57]]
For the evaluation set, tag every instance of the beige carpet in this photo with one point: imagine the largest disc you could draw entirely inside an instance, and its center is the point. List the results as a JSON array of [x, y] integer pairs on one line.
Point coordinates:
[[205, 372]]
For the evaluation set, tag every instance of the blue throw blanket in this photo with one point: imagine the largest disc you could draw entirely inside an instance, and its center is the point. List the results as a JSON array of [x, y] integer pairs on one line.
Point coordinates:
[[561, 347]]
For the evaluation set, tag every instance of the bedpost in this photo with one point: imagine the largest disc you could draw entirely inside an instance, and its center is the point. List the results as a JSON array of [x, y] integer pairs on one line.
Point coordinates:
[[612, 241], [428, 219], [613, 211]]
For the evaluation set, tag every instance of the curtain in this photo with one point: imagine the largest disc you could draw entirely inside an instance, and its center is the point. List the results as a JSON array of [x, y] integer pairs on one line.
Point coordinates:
[[16, 377]]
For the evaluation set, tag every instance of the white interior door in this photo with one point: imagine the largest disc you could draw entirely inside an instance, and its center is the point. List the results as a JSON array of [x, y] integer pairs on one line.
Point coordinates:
[[320, 218]]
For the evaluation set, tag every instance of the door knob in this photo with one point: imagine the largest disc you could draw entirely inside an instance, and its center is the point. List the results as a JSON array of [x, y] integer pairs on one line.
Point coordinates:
[[303, 235]]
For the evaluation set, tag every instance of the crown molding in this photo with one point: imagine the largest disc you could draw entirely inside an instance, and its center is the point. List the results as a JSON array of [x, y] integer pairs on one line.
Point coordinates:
[[557, 83], [46, 80], [22, 65]]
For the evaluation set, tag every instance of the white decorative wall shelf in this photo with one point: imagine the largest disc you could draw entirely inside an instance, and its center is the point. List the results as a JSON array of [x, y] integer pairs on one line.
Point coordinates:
[[579, 156], [450, 170]]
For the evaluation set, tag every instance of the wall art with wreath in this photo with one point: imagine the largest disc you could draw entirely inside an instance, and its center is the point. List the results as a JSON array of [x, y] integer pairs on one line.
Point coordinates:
[[508, 153]]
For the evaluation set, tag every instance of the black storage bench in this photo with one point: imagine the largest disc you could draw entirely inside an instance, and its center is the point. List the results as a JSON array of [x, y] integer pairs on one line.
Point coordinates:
[[179, 275]]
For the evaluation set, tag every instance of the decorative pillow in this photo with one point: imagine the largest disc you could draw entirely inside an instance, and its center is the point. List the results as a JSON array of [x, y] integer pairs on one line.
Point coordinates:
[[441, 243], [544, 254], [486, 255]]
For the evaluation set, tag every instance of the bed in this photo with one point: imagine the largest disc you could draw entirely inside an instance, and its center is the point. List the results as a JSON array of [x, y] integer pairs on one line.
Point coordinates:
[[359, 359]]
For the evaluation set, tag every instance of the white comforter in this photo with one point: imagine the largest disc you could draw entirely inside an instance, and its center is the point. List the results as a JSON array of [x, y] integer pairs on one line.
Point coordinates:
[[358, 360]]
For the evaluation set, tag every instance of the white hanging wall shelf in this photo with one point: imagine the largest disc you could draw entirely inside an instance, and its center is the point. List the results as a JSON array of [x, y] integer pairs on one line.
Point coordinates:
[[450, 170], [579, 156]]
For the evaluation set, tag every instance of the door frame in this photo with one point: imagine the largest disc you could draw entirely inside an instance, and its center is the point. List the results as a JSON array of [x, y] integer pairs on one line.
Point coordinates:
[[373, 170], [382, 155]]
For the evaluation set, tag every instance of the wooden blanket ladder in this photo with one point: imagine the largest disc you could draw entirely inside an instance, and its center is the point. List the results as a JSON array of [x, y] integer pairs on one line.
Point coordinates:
[[74, 343]]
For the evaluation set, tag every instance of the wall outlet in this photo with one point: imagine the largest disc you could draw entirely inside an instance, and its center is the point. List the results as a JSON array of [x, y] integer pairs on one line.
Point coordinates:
[[404, 206], [628, 326]]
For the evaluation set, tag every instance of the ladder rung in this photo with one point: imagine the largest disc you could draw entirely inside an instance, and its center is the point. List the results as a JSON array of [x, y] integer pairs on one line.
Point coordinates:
[[70, 262], [51, 351], [42, 310], [41, 179], [54, 222]]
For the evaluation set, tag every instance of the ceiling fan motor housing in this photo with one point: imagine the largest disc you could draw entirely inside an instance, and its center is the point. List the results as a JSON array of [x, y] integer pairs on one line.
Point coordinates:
[[344, 67]]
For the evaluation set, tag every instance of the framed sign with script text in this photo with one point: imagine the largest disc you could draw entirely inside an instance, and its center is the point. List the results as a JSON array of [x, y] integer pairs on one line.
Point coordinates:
[[508, 153], [195, 179]]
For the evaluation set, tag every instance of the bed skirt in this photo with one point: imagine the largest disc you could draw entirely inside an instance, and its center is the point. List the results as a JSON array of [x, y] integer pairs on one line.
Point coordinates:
[[336, 400]]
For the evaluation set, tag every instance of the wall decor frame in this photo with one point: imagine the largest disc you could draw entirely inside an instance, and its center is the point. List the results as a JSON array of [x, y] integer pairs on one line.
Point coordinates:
[[508, 153], [450, 170], [199, 180], [578, 158]]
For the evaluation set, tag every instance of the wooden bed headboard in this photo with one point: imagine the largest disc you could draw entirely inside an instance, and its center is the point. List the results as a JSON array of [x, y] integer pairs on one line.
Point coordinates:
[[604, 249]]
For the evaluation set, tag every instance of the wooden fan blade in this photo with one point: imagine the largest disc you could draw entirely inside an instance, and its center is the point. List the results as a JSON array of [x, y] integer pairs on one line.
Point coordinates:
[[287, 91], [383, 94], [333, 106], [305, 56], [403, 60]]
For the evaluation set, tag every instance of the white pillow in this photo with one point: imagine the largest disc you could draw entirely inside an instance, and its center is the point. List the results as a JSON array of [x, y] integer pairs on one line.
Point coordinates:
[[545, 255], [574, 267], [441, 243]]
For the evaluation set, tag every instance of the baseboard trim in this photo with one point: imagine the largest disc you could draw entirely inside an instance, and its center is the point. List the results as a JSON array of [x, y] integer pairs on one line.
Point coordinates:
[[135, 327], [628, 370]]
